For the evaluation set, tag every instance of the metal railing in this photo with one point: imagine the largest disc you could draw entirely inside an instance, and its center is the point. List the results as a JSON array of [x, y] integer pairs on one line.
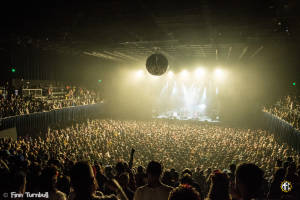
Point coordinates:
[[42, 120], [283, 130]]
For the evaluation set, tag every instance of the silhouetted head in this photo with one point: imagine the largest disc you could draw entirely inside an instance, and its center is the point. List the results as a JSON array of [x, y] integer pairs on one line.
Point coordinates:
[[83, 179], [154, 171], [249, 179], [184, 192], [49, 178]]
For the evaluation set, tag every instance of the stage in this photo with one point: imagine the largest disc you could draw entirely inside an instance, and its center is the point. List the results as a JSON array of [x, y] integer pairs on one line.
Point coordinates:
[[183, 114]]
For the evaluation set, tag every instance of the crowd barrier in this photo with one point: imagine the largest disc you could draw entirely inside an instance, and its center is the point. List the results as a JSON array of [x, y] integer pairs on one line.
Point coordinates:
[[42, 120], [283, 130]]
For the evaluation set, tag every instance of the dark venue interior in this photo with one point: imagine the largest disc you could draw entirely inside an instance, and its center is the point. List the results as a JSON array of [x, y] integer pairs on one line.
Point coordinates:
[[149, 99]]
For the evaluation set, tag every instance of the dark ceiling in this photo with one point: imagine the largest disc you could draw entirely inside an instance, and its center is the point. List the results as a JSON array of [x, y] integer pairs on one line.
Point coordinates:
[[129, 31]]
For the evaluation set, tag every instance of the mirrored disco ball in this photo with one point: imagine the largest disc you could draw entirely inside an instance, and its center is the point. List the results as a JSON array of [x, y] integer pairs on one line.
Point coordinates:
[[157, 64]]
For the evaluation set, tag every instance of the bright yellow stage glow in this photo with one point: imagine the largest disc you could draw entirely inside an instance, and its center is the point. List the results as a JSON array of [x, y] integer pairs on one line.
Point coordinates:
[[199, 72], [139, 73], [184, 73], [170, 74], [219, 74]]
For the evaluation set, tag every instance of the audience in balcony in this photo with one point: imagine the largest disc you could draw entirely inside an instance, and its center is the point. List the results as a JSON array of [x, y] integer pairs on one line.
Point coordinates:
[[287, 109], [21, 105]]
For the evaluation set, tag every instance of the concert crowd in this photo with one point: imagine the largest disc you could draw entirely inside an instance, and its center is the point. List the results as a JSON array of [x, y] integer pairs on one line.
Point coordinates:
[[287, 109], [156, 159], [21, 105]]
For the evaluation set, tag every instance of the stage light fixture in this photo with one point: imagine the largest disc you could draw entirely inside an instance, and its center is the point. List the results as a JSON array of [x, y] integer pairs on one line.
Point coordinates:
[[170, 74], [199, 72], [184, 73], [139, 73], [219, 74]]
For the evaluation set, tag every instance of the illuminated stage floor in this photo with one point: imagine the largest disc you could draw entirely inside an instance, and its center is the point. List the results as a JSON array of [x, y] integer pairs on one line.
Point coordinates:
[[193, 117]]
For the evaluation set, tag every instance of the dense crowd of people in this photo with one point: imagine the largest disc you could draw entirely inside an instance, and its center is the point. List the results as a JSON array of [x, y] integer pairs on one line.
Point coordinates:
[[111, 159], [20, 105], [287, 109]]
